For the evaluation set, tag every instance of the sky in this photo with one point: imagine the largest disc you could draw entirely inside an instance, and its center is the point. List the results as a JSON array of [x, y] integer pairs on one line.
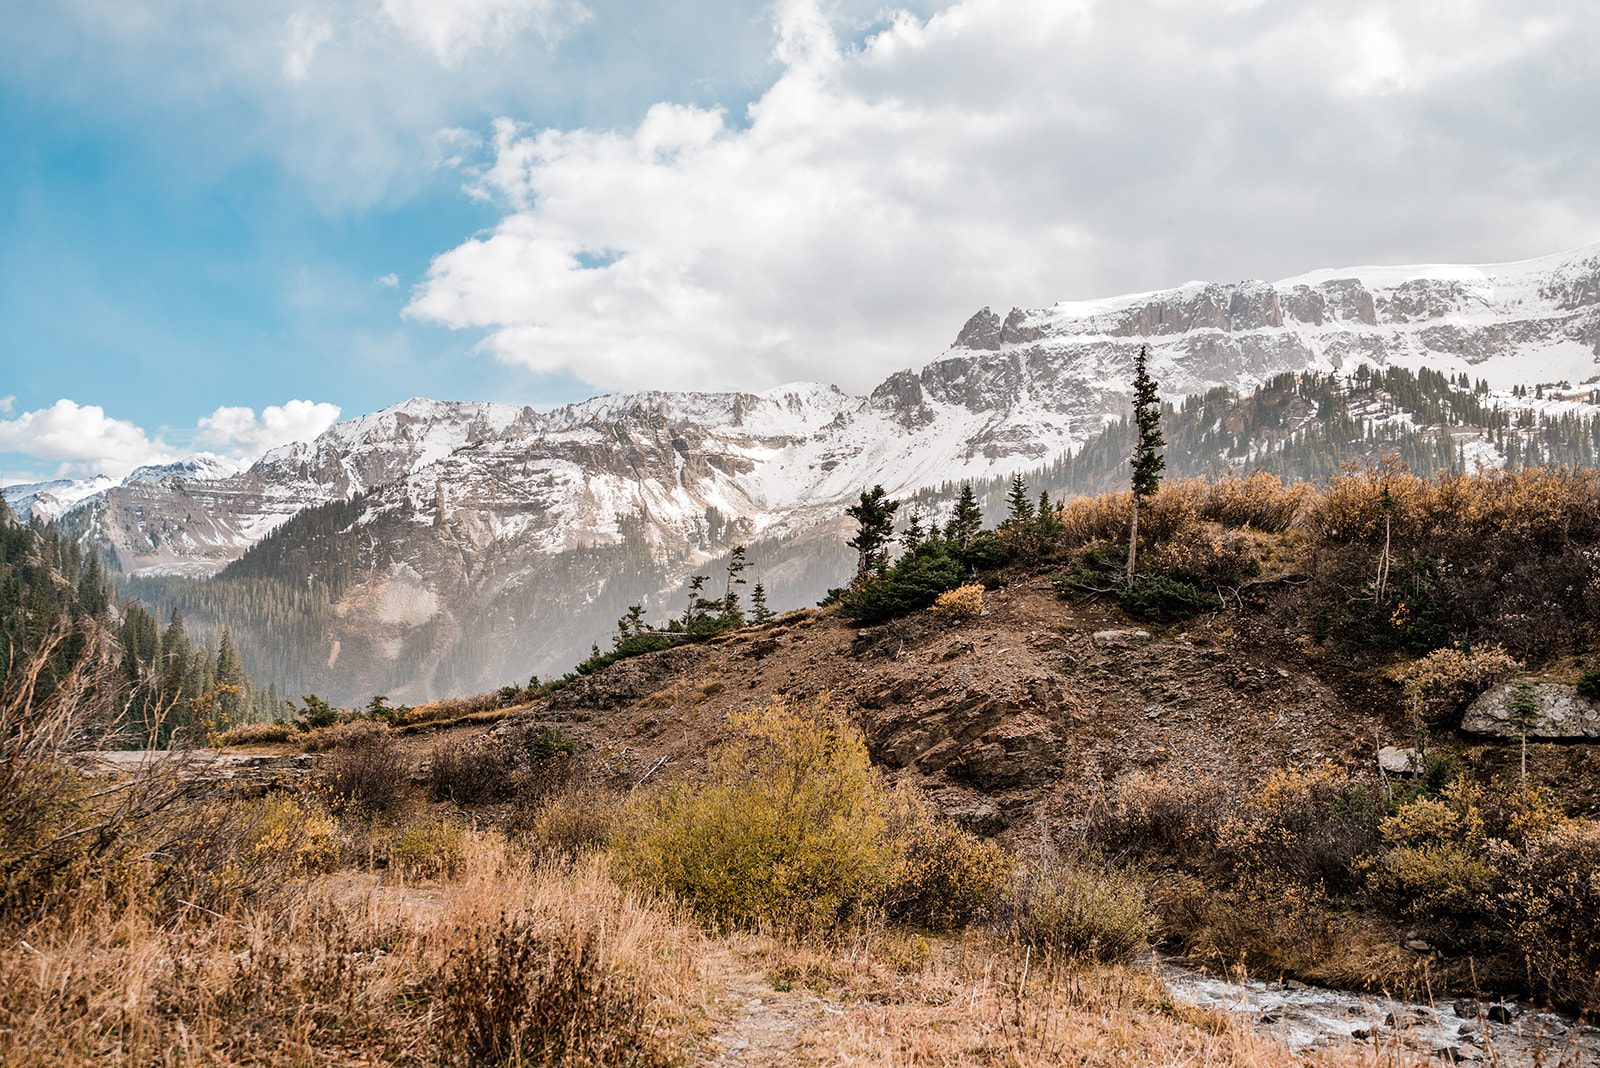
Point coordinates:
[[223, 226]]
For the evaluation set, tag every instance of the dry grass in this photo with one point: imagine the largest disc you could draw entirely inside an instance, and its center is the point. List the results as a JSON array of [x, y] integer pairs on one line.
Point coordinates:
[[348, 970]]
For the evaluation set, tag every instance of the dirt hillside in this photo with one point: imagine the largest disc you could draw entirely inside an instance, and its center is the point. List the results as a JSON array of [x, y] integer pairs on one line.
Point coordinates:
[[1020, 717]]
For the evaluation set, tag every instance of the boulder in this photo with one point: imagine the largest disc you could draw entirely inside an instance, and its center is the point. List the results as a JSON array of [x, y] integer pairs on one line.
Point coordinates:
[[1397, 761], [1562, 713], [1122, 636]]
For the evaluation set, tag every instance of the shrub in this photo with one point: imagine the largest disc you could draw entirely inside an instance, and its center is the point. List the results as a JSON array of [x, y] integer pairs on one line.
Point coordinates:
[[570, 822], [1260, 501], [1446, 680], [1437, 865], [1589, 683], [428, 849], [316, 713], [516, 995], [914, 582], [1203, 557], [367, 777], [947, 877], [1551, 904], [472, 772], [1083, 912], [1306, 826], [1157, 599], [340, 735], [963, 602], [1150, 816], [792, 826], [255, 734]]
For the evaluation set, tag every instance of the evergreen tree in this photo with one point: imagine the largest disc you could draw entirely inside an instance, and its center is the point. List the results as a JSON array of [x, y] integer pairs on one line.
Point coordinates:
[[915, 533], [730, 596], [759, 612], [230, 673], [1147, 461], [1019, 508], [874, 516], [967, 522]]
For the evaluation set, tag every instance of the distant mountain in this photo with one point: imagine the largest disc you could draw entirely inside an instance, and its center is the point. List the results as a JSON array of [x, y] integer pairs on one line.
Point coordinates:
[[435, 547]]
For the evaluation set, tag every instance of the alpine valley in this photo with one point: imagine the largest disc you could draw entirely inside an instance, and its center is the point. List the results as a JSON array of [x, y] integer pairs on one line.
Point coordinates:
[[439, 547]]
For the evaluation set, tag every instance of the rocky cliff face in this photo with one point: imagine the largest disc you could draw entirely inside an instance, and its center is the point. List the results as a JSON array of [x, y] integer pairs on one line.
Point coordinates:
[[499, 540]]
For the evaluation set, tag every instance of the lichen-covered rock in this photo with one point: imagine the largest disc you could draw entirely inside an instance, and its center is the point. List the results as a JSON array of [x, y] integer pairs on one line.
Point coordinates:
[[1562, 713]]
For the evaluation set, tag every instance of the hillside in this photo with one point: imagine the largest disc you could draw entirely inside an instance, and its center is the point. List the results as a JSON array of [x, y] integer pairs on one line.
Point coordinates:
[[488, 540]]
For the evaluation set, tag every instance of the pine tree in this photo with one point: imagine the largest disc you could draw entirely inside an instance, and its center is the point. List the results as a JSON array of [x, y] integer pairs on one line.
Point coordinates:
[[1147, 461], [915, 533], [759, 612], [730, 596], [874, 516], [1019, 508], [967, 522], [230, 673]]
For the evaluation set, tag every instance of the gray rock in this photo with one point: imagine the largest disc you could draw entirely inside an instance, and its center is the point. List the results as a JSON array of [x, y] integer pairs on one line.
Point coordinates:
[[1122, 636], [1562, 713], [1398, 761]]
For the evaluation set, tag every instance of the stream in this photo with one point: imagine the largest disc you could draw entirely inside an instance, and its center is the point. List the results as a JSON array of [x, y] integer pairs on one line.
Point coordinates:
[[1465, 1031]]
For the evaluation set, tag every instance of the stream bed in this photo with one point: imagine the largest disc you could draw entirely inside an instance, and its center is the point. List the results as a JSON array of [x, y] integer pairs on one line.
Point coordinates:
[[1465, 1031]]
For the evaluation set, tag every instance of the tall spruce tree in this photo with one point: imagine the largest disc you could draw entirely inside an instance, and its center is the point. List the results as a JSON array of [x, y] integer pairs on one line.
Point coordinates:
[[967, 521], [759, 612], [1148, 461], [1019, 506], [874, 516]]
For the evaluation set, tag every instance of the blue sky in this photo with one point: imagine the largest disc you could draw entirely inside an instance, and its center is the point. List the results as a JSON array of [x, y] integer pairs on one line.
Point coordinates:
[[350, 202]]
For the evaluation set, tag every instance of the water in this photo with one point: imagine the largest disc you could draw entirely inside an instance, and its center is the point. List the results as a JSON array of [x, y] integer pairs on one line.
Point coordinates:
[[1309, 1017]]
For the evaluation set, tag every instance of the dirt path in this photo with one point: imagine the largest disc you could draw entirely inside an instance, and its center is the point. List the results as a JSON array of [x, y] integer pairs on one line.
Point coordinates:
[[763, 1025]]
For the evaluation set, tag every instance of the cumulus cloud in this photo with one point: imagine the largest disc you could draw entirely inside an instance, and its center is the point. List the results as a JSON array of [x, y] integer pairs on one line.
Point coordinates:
[[387, 281], [81, 439], [240, 433], [1021, 152]]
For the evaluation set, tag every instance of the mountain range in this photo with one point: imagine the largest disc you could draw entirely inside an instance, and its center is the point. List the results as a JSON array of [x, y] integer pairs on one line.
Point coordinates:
[[440, 546]]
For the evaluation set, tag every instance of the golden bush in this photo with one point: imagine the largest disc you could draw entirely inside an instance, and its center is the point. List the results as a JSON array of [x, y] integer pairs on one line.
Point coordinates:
[[1205, 557], [1446, 679], [255, 734], [946, 876], [1437, 864], [427, 848], [1083, 912], [792, 827], [963, 602], [1260, 500], [1552, 904]]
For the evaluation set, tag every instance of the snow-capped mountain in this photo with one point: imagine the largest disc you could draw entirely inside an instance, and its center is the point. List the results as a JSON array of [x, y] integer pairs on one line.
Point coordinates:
[[498, 527], [49, 500]]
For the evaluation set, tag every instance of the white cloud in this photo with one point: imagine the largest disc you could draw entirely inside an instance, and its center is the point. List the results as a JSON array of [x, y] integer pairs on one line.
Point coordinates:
[[7, 403], [1020, 152], [387, 281], [82, 440], [451, 30], [243, 435], [304, 33]]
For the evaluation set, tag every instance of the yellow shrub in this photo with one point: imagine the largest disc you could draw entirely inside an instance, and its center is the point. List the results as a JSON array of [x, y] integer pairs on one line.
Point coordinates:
[[946, 877], [1446, 679], [1260, 500], [572, 821], [1083, 912], [963, 602], [1438, 861], [1552, 903], [427, 849], [296, 835], [791, 828]]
